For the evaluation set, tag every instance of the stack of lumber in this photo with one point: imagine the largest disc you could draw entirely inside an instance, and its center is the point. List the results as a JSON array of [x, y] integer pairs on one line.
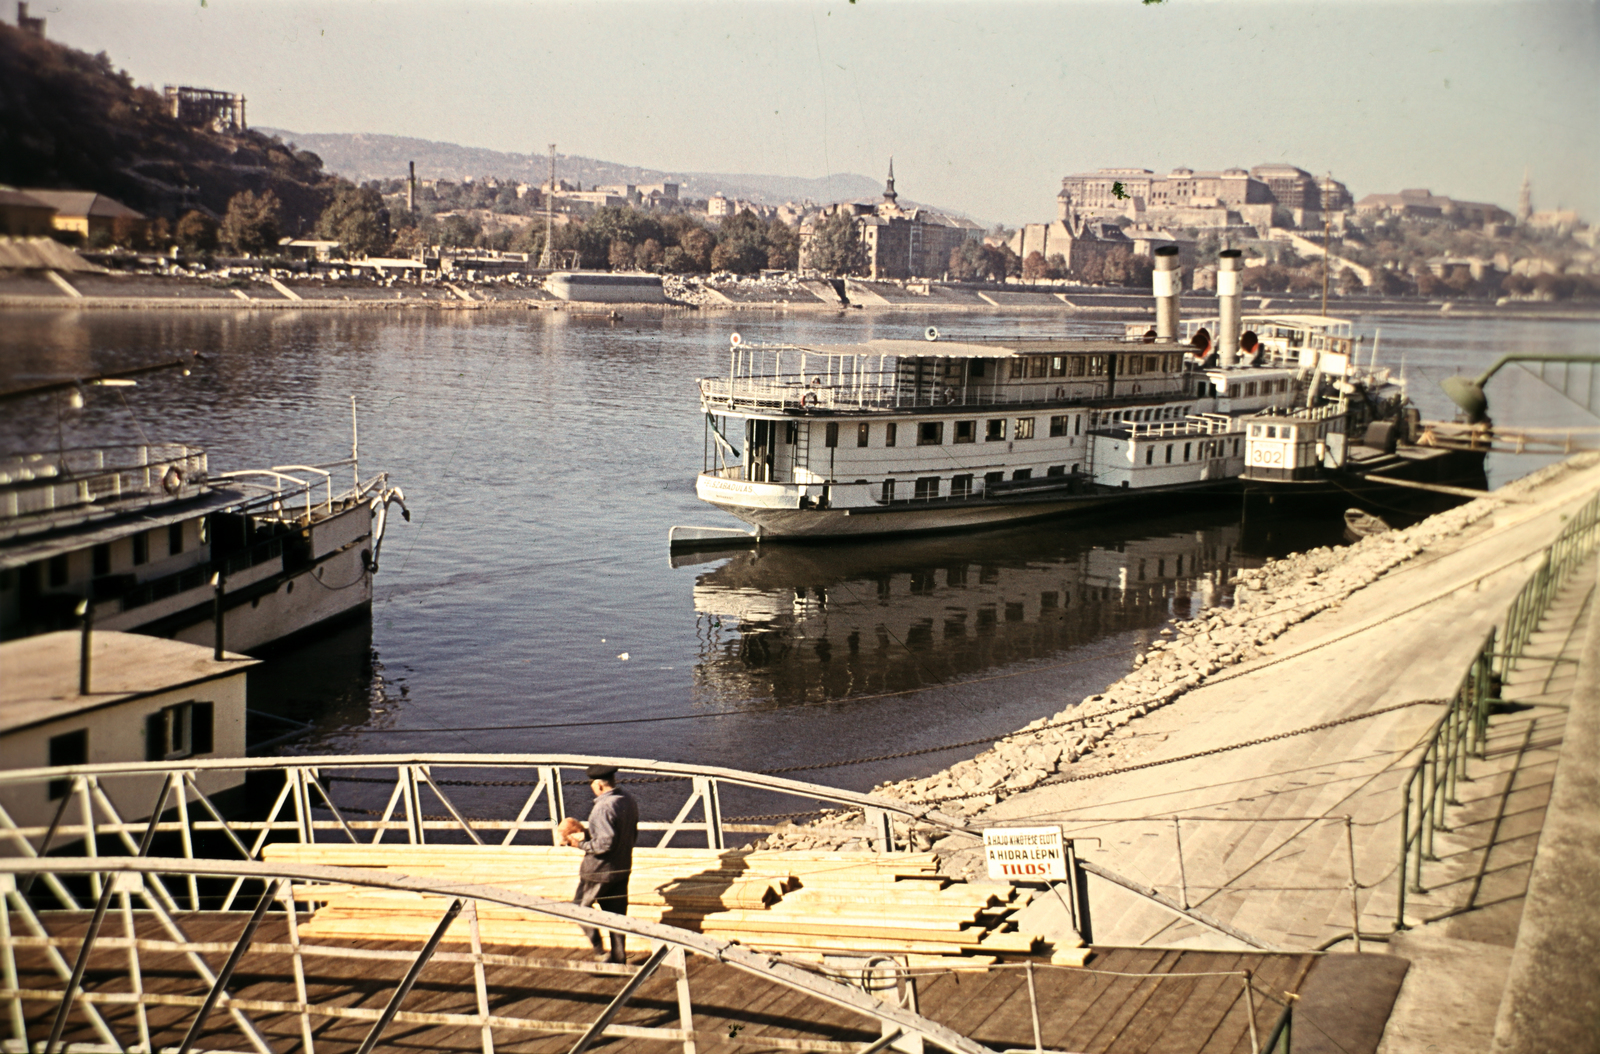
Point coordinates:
[[799, 903]]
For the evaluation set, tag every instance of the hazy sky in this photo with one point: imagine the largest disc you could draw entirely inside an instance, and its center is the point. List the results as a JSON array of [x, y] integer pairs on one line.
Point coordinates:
[[985, 106]]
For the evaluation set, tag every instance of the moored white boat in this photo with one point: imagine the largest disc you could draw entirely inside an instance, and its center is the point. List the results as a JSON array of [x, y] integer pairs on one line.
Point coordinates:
[[890, 436], [145, 539]]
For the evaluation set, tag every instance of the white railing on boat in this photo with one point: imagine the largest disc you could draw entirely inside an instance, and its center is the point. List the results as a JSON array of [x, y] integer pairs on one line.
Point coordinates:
[[69, 482], [1194, 425]]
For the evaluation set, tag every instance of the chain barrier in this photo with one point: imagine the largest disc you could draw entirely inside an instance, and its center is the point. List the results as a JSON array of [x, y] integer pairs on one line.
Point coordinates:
[[1197, 754]]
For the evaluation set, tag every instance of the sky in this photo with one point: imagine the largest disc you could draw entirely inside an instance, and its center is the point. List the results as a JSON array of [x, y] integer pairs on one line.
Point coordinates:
[[984, 106]]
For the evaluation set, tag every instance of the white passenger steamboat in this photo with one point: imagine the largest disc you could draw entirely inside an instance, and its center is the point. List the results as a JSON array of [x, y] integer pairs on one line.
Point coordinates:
[[891, 436], [145, 539]]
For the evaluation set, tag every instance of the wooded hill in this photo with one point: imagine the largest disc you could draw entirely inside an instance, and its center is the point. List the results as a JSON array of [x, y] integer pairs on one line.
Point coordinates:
[[70, 120]]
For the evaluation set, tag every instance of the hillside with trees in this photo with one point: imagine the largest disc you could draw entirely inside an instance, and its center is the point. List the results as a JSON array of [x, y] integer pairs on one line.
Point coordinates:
[[71, 120]]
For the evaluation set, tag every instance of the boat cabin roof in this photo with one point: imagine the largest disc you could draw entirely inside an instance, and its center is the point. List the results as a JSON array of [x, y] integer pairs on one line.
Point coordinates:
[[972, 349], [41, 673], [94, 528]]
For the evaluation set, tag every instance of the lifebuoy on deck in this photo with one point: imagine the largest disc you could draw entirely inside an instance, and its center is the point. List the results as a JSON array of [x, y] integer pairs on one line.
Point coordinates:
[[808, 399], [172, 481]]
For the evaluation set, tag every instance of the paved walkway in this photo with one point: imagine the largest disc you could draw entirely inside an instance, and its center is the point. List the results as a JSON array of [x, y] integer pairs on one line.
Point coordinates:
[[1264, 842]]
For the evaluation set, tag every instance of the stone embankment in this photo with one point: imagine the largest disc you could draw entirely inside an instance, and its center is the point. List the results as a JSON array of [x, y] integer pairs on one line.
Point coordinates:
[[1266, 602]]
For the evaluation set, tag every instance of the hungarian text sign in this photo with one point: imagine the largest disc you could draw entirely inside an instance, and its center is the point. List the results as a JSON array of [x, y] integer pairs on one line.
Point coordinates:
[[1034, 854]]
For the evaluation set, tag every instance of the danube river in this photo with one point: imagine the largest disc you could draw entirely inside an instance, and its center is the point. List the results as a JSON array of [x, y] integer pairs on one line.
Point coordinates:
[[530, 604]]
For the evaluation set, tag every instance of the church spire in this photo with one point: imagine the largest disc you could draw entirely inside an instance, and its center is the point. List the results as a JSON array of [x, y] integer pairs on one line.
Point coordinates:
[[888, 189]]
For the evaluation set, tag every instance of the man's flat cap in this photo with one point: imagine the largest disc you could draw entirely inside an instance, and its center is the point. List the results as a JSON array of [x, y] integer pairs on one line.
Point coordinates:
[[601, 772]]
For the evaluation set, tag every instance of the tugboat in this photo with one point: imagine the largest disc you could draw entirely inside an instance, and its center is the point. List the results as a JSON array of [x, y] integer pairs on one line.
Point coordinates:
[[145, 539], [895, 436]]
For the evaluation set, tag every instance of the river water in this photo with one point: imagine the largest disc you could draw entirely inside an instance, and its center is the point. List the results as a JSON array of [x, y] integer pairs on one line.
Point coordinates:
[[531, 605]]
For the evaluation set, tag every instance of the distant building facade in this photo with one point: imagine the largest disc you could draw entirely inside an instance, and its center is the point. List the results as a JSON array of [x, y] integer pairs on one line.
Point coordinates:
[[1418, 203], [84, 212], [23, 215], [1231, 198], [899, 242], [220, 111]]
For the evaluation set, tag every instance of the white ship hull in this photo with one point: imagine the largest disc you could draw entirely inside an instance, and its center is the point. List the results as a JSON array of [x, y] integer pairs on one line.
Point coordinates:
[[915, 517]]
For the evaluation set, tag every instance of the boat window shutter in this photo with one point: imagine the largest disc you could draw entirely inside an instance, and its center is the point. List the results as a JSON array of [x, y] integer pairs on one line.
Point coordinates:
[[201, 729]]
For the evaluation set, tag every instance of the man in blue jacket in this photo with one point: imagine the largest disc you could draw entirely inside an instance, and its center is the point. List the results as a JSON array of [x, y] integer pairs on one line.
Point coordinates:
[[607, 855]]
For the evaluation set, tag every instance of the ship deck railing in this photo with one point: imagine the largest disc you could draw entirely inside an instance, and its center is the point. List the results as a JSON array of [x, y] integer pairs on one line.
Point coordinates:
[[717, 394], [42, 491], [283, 492], [1193, 425]]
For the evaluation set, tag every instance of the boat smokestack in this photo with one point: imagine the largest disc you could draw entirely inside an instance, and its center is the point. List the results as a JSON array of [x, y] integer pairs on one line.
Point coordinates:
[[1229, 266], [1168, 283]]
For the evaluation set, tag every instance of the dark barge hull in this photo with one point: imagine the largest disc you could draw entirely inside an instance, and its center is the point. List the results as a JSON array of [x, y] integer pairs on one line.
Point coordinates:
[[1364, 484]]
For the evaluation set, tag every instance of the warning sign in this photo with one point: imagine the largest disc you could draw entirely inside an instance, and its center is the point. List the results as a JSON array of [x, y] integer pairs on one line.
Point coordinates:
[[1026, 854]]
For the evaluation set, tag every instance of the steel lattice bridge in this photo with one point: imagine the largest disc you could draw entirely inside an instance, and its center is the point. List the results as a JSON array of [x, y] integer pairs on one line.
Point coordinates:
[[155, 919]]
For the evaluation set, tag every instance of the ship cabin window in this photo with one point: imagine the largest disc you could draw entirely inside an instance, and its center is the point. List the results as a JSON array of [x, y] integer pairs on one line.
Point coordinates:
[[863, 431], [141, 548], [1186, 448], [1022, 473], [930, 433], [1235, 448], [927, 488], [831, 434], [1255, 430], [58, 569], [1169, 453], [961, 486], [69, 748], [1250, 388], [975, 368], [889, 433], [1233, 391], [1056, 470], [993, 477], [179, 731], [1149, 455], [1077, 365], [1288, 433], [1132, 365], [1024, 428], [1058, 426], [1038, 366], [1272, 431], [994, 430], [1097, 365], [175, 539], [1058, 365], [966, 431], [102, 559], [888, 491], [1077, 424]]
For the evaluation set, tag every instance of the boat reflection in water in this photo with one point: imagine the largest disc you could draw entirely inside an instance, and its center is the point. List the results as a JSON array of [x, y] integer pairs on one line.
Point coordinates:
[[789, 624]]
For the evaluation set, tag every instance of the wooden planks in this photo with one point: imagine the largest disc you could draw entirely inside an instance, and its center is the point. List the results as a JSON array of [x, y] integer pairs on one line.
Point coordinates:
[[797, 903]]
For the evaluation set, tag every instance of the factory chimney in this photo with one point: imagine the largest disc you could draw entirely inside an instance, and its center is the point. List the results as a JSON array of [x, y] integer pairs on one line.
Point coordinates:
[[1168, 284], [411, 191], [1229, 265]]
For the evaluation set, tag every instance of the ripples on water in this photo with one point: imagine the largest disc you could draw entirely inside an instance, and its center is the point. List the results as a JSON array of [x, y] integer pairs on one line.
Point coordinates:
[[544, 458]]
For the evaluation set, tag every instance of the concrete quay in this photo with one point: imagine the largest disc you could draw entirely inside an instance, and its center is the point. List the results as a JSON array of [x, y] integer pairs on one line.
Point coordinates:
[[1222, 770]]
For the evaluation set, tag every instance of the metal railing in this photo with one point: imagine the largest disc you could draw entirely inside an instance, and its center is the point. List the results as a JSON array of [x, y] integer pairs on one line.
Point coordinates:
[[67, 482], [1430, 787], [277, 965], [1572, 546], [1463, 730], [522, 795]]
